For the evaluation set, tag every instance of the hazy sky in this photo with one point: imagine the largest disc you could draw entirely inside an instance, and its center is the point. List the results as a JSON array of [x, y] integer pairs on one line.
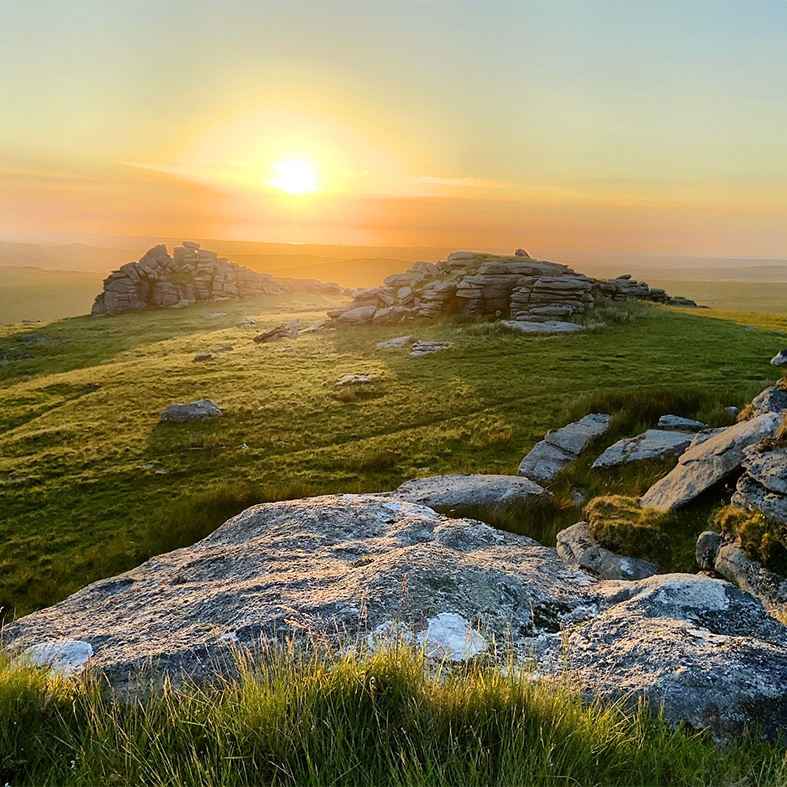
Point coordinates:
[[620, 126]]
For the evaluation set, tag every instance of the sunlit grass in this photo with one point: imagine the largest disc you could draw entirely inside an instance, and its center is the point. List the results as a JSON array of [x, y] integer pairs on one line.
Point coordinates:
[[89, 479], [384, 718]]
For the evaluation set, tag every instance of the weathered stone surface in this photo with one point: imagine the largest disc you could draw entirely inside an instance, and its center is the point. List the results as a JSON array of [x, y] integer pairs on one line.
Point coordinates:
[[335, 566], [576, 546], [700, 649], [200, 410], [461, 493], [548, 326], [203, 356], [751, 576], [680, 424], [763, 487], [357, 316], [652, 444], [561, 446], [342, 568], [708, 544], [771, 400], [706, 462]]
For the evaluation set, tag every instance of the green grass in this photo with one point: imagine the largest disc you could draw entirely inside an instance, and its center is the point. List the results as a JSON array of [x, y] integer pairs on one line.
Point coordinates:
[[386, 719], [91, 484]]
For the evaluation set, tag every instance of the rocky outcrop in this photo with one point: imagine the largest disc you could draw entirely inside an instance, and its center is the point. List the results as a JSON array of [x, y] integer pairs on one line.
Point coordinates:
[[727, 558], [763, 484], [653, 444], [191, 275], [771, 400], [707, 461], [699, 649], [560, 447], [370, 569], [469, 493], [578, 547], [201, 410], [512, 287]]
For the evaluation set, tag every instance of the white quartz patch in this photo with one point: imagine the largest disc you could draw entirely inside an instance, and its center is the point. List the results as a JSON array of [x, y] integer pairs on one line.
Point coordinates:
[[65, 657], [450, 636]]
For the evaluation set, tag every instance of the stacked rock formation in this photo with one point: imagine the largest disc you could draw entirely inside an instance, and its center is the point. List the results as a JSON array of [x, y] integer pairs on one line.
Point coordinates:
[[191, 275], [515, 287]]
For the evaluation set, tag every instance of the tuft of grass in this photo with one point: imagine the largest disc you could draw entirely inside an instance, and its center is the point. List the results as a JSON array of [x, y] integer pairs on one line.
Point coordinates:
[[761, 539], [622, 525], [385, 718]]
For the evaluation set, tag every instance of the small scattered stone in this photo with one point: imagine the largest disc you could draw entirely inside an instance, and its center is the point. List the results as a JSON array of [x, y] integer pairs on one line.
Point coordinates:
[[780, 359], [203, 356], [424, 348], [355, 379], [398, 341], [200, 410], [288, 331], [677, 423]]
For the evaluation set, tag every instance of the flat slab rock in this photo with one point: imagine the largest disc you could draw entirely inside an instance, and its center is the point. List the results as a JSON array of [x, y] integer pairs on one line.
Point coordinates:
[[395, 343], [707, 461], [201, 410], [372, 568], [680, 423], [463, 492], [549, 326], [561, 447], [652, 444]]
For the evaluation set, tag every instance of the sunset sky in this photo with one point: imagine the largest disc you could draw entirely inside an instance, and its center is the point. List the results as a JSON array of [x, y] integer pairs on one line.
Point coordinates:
[[609, 126]]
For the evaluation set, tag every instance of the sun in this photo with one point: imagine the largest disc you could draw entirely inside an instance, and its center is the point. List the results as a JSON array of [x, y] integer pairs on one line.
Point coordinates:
[[294, 177]]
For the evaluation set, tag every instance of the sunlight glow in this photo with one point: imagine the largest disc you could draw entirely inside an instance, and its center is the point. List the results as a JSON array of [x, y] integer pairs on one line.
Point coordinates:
[[294, 177]]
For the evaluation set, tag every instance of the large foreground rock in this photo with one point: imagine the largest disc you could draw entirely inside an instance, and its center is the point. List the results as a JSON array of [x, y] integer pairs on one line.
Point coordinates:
[[464, 493], [349, 569], [699, 648], [708, 461], [560, 447]]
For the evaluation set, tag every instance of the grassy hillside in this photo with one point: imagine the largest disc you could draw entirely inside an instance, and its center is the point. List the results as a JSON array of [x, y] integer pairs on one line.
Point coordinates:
[[91, 483]]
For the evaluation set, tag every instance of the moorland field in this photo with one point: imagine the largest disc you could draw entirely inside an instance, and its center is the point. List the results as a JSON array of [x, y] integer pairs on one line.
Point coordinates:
[[92, 484]]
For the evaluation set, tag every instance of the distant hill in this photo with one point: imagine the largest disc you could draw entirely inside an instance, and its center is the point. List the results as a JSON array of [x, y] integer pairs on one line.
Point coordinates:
[[28, 293]]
